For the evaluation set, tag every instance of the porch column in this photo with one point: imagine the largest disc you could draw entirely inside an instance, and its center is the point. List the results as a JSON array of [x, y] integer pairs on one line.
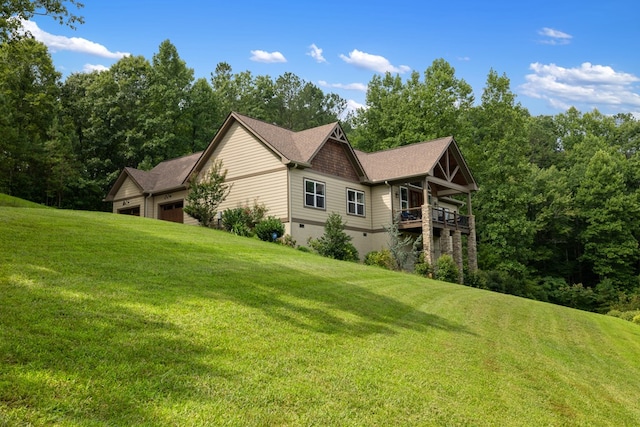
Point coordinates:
[[471, 245], [445, 242], [457, 252], [427, 234]]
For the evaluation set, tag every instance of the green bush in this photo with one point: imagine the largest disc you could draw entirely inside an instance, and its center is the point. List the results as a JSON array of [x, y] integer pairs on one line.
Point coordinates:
[[422, 267], [269, 229], [238, 221], [335, 243], [382, 258], [636, 319], [446, 269]]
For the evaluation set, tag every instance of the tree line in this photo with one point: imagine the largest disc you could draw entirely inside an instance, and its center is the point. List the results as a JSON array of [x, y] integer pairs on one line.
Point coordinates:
[[557, 213]]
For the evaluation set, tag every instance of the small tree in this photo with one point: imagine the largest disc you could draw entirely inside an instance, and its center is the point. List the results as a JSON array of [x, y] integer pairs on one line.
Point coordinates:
[[206, 195], [335, 243], [399, 245]]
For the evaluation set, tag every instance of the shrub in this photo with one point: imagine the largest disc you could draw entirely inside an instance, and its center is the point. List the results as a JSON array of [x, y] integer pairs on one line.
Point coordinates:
[[237, 221], [206, 195], [335, 243], [422, 268], [382, 258], [287, 240], [636, 319], [446, 269], [475, 279], [269, 229]]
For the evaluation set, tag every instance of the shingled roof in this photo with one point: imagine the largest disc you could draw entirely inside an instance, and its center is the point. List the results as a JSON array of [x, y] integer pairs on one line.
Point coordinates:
[[167, 175], [291, 146], [403, 162]]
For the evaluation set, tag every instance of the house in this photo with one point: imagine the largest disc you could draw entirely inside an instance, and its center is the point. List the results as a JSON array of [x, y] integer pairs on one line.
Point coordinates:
[[302, 177]]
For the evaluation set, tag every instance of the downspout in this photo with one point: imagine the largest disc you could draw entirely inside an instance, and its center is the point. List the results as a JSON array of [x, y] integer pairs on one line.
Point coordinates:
[[391, 199], [145, 205]]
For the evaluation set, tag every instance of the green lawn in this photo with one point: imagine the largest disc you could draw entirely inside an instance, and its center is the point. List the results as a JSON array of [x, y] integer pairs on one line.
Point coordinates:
[[118, 320]]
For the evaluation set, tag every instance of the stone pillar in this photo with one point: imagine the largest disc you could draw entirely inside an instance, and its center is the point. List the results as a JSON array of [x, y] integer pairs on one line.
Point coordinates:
[[457, 252], [427, 234], [471, 245], [445, 242]]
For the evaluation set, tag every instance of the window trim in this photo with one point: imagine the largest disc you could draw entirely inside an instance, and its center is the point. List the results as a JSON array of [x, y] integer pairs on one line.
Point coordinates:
[[315, 194], [356, 203]]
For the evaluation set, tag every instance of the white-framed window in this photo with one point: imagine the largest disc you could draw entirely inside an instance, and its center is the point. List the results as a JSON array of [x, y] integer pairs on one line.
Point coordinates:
[[355, 202], [404, 198], [314, 194]]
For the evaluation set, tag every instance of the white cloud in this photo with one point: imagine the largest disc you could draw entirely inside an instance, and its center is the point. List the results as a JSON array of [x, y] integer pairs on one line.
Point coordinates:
[[554, 36], [90, 68], [352, 107], [376, 63], [316, 53], [350, 86], [593, 86], [267, 57], [74, 44]]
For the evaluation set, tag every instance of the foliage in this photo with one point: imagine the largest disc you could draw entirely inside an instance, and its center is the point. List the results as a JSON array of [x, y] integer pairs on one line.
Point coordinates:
[[446, 269], [335, 243], [28, 112], [287, 240], [14, 12], [400, 112], [269, 229], [422, 267], [206, 194], [237, 221], [403, 247], [383, 258], [243, 220]]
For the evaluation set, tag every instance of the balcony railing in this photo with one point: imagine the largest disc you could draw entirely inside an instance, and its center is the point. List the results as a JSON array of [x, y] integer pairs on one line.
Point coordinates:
[[440, 217]]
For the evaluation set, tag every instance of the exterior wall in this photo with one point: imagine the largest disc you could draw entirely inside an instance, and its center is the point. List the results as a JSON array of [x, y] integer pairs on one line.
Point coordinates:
[[129, 203], [127, 190], [367, 232], [335, 199], [255, 173], [381, 201], [128, 196], [332, 159]]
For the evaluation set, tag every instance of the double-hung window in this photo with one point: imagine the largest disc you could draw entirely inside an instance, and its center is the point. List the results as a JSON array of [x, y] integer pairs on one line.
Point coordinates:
[[355, 202], [314, 194]]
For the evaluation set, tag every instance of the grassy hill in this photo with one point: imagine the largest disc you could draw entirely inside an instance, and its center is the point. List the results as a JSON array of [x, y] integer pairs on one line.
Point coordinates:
[[117, 320]]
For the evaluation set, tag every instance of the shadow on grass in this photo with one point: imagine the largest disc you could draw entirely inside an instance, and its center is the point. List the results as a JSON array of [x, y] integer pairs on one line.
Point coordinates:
[[66, 356], [72, 337]]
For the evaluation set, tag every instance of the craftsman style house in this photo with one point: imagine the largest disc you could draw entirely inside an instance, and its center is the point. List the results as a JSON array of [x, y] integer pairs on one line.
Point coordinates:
[[302, 177]]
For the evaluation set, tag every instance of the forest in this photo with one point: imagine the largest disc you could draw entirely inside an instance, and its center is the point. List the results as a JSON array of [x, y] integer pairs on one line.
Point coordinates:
[[557, 213]]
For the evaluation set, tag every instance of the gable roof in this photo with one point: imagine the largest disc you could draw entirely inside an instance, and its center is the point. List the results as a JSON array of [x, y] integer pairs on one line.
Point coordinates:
[[165, 176], [297, 148], [412, 160]]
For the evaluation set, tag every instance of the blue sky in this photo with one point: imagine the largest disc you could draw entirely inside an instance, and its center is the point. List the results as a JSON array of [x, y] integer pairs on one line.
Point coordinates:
[[557, 54]]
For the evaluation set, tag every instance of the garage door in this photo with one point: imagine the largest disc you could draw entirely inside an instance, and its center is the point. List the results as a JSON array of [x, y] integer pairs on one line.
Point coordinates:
[[172, 212], [130, 211]]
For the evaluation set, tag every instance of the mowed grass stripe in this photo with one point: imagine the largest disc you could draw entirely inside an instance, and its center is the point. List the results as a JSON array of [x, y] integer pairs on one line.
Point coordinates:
[[114, 320]]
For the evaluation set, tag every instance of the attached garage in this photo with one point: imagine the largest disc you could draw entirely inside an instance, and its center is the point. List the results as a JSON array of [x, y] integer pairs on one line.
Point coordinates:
[[135, 211], [172, 212]]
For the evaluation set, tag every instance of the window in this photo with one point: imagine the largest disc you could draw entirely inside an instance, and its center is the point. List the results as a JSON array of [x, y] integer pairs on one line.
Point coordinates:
[[355, 202], [314, 194], [404, 198]]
